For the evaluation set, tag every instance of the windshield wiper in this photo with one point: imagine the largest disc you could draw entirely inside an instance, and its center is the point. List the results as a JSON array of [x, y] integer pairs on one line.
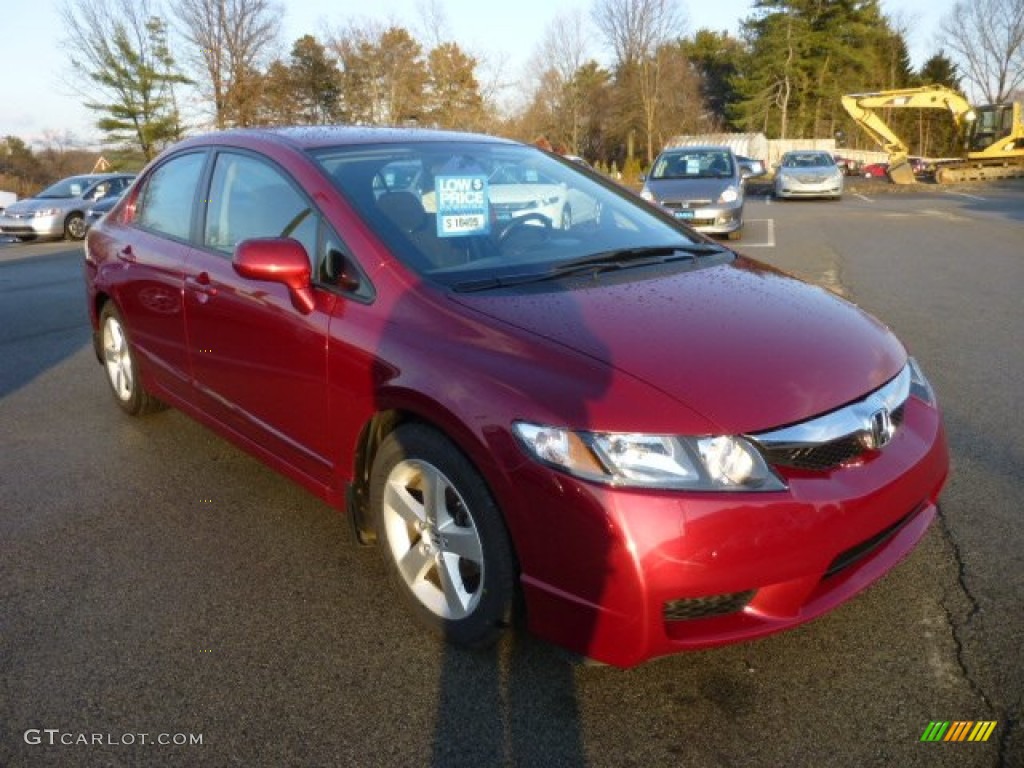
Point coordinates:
[[598, 262], [656, 254]]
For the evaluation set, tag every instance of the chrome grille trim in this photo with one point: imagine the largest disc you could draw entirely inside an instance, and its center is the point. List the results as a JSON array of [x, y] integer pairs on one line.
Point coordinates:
[[841, 435]]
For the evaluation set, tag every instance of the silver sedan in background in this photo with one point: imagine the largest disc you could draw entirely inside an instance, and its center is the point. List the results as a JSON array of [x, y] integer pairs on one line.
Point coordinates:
[[59, 210], [806, 173]]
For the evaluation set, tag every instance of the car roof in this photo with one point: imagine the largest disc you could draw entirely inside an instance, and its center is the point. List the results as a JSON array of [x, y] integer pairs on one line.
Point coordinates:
[[313, 137], [97, 176], [697, 148]]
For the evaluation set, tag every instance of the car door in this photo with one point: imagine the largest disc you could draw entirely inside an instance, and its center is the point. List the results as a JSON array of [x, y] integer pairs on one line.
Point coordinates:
[[151, 249], [259, 363]]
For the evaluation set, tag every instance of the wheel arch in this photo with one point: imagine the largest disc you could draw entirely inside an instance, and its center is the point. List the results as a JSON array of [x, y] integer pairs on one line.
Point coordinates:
[[385, 421]]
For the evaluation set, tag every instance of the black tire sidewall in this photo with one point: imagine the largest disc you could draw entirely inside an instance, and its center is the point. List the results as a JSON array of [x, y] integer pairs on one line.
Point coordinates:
[[493, 612], [74, 217]]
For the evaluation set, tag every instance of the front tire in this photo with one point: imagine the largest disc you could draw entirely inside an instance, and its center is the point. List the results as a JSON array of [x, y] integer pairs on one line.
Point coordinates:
[[74, 227], [442, 536], [120, 365]]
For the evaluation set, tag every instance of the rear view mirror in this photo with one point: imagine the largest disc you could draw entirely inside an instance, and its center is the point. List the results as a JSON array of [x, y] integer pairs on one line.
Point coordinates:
[[277, 260]]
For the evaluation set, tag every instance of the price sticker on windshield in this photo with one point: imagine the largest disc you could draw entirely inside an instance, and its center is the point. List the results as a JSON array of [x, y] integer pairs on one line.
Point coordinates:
[[462, 205]]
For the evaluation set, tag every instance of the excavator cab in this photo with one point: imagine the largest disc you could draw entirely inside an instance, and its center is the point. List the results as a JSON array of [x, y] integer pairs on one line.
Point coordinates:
[[992, 123]]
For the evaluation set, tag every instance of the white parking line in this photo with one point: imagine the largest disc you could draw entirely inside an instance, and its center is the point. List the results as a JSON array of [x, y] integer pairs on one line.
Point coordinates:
[[769, 239], [964, 194], [865, 198]]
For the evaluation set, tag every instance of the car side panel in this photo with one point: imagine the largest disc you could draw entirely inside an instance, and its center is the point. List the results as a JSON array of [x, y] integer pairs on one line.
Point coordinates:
[[144, 273], [260, 365]]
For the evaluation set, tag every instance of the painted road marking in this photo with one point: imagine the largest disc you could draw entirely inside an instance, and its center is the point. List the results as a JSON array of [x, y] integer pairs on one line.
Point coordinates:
[[760, 236], [965, 194]]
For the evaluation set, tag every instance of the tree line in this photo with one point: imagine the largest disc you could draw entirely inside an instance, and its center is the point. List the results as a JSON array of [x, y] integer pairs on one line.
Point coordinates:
[[612, 84]]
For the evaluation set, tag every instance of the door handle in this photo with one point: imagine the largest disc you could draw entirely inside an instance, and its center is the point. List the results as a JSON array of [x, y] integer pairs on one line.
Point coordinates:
[[201, 284]]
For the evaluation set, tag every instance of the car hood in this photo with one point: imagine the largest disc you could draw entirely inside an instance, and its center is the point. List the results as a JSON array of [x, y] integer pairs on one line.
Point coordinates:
[[512, 193], [39, 203], [745, 346], [689, 189]]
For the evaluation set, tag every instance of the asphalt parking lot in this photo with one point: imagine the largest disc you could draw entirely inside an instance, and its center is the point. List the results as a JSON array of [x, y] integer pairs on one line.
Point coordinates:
[[156, 582]]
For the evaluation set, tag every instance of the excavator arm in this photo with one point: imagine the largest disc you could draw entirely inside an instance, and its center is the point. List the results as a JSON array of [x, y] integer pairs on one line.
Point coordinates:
[[861, 107]]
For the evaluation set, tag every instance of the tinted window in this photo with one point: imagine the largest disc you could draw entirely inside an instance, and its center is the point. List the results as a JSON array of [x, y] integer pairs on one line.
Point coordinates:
[[250, 198], [165, 204]]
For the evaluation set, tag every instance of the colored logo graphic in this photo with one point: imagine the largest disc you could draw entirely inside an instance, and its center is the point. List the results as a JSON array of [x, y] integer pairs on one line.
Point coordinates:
[[959, 730]]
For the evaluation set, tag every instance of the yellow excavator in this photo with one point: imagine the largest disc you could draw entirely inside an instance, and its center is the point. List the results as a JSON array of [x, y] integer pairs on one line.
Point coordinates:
[[991, 136]]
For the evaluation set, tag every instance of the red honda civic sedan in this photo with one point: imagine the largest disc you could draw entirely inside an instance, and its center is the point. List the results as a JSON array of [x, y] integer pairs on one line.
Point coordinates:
[[532, 390]]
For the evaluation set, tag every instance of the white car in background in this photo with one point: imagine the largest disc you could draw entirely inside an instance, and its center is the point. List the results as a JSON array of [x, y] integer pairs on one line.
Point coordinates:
[[524, 193], [806, 173]]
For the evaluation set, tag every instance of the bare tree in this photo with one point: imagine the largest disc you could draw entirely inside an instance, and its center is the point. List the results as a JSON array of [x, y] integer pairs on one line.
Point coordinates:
[[561, 53], [986, 38], [635, 30], [230, 43], [434, 25]]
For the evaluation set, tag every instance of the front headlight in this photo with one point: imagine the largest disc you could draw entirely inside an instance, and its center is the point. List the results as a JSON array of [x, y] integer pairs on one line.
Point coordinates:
[[723, 463], [920, 387], [647, 195], [729, 195], [46, 212]]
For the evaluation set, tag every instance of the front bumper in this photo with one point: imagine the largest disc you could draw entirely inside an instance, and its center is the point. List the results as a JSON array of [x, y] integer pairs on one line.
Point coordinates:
[[31, 226], [787, 186], [623, 576], [710, 220]]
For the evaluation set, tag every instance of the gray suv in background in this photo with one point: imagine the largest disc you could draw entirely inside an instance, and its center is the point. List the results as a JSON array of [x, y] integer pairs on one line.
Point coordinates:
[[59, 210], [702, 186]]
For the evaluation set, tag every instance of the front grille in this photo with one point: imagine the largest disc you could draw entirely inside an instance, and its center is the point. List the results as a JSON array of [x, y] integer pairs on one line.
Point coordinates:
[[685, 204], [817, 457], [513, 207], [704, 607], [843, 435], [824, 456]]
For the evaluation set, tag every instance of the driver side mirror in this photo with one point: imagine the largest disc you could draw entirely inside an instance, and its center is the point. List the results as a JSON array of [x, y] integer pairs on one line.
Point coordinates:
[[278, 260]]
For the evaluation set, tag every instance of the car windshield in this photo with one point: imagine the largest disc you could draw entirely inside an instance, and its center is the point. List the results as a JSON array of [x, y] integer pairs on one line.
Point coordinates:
[[464, 211], [693, 164], [807, 160], [71, 187]]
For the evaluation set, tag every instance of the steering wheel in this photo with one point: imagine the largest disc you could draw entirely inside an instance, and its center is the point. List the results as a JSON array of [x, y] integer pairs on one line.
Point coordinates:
[[514, 225]]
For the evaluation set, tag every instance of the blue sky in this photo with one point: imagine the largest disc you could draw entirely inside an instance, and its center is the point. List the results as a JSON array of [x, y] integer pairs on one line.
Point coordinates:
[[36, 97]]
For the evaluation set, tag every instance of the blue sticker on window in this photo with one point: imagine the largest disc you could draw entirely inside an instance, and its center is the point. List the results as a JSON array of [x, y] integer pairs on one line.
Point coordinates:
[[462, 205]]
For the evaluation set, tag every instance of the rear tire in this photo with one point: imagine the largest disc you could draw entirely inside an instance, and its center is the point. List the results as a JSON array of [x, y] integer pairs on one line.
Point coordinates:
[[120, 365], [442, 536]]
